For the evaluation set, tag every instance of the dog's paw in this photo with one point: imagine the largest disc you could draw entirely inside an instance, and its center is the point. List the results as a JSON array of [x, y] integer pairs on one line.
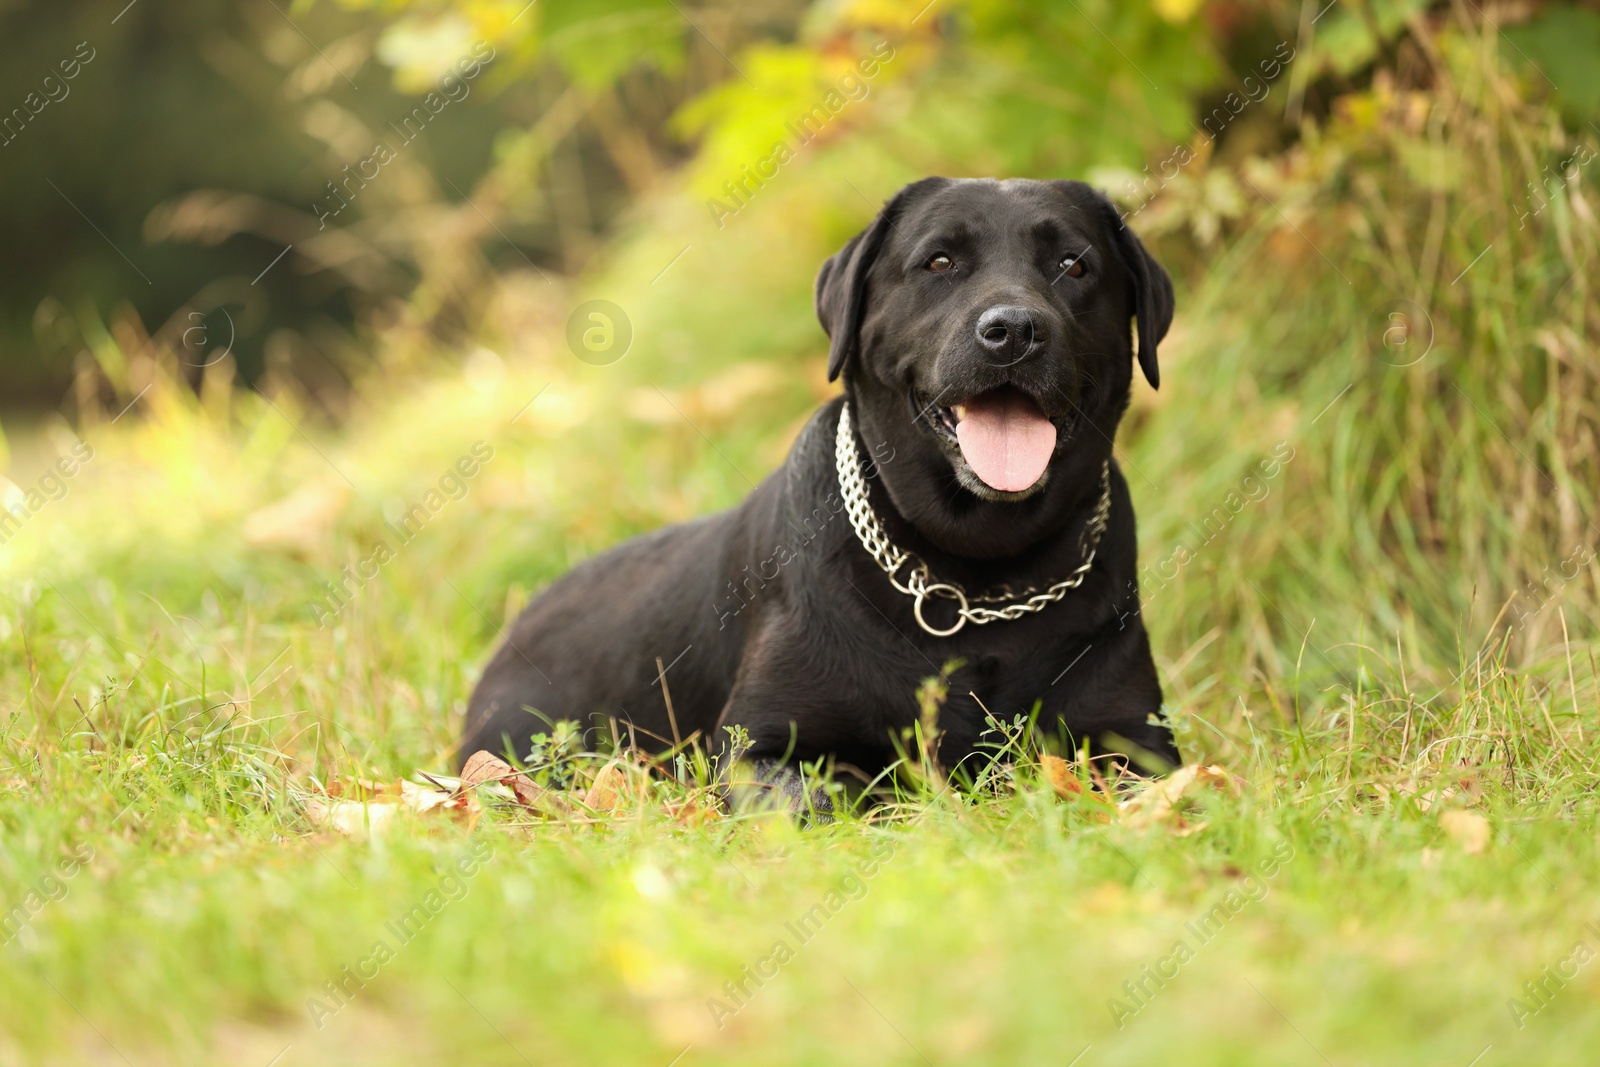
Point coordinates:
[[769, 785]]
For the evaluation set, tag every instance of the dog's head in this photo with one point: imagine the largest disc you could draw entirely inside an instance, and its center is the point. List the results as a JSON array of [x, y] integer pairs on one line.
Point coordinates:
[[983, 330]]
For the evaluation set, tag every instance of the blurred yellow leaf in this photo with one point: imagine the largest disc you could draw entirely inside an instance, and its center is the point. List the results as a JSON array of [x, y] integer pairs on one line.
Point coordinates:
[[1158, 802], [375, 805], [485, 768], [1058, 772], [1176, 10], [610, 788], [422, 49], [301, 522], [1467, 829], [714, 402]]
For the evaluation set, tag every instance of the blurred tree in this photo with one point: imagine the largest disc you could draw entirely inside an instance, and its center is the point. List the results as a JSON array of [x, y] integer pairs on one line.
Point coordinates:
[[168, 97], [195, 141]]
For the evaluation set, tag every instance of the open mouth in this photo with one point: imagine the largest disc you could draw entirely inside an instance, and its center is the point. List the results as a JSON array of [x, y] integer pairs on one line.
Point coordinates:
[[1004, 437]]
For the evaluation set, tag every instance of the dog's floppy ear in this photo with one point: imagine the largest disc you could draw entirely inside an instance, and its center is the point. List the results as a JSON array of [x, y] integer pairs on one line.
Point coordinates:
[[1152, 293], [842, 283]]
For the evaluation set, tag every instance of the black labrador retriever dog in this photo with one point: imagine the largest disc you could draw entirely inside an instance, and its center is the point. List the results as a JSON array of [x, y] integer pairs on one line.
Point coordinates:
[[960, 502]]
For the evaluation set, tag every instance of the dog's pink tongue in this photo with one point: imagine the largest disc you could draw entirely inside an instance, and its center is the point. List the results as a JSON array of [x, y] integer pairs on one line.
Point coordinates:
[[1006, 439]]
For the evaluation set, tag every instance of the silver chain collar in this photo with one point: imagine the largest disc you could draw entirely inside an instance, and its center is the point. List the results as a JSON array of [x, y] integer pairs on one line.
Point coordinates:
[[919, 583]]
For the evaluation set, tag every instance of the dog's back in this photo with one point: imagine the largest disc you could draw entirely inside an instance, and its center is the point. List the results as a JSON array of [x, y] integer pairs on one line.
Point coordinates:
[[586, 649]]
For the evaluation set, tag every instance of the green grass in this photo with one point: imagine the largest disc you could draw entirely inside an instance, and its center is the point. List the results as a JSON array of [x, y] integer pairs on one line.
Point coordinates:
[[167, 697], [209, 919]]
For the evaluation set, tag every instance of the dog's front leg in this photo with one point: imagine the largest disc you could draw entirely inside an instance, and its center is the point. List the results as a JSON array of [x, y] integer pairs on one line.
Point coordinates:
[[769, 784]]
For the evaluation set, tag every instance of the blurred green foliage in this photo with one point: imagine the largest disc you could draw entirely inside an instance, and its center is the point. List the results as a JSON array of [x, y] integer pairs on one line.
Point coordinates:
[[1561, 47], [193, 148]]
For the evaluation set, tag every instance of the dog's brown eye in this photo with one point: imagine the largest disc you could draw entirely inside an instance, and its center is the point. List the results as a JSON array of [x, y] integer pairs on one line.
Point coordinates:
[[1072, 266], [941, 263]]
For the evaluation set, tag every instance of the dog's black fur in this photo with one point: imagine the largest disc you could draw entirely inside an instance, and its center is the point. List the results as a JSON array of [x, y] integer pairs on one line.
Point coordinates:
[[774, 618]]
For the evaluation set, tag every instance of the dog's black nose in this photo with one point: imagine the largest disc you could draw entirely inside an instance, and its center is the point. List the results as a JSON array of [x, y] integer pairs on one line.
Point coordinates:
[[1008, 331]]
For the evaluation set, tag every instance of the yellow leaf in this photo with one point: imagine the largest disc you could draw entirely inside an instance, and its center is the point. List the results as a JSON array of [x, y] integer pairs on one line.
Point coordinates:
[[1467, 829], [1058, 772], [350, 817], [610, 789], [377, 804], [1158, 802], [1176, 10], [483, 768], [301, 522]]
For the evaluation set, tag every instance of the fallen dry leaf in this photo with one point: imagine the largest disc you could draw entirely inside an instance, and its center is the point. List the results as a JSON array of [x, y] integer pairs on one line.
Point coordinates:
[[425, 798], [483, 768], [377, 803], [1058, 772], [1467, 829], [610, 789], [1063, 778], [693, 812], [607, 792], [349, 817], [1158, 802]]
